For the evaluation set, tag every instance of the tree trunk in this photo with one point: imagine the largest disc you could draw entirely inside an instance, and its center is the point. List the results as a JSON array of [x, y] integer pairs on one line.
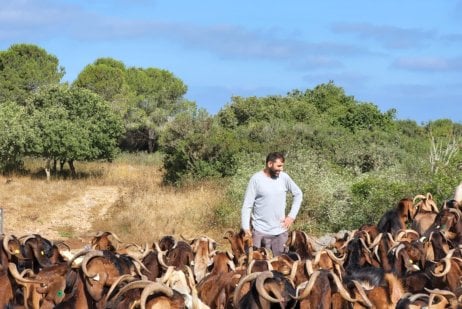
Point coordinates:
[[151, 140], [72, 168], [47, 169], [61, 165]]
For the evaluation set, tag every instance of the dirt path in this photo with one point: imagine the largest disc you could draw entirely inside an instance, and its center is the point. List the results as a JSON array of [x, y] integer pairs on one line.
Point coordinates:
[[71, 220]]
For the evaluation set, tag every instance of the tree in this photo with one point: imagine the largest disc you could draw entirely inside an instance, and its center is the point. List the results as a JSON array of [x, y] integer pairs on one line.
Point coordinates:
[[74, 124], [24, 69], [105, 77], [159, 97], [146, 98], [196, 146], [17, 136]]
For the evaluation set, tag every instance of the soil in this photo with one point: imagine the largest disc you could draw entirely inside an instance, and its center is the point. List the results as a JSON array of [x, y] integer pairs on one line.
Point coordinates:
[[71, 222]]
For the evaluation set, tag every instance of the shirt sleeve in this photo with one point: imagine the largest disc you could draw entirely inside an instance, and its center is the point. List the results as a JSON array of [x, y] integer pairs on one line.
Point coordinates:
[[297, 197], [249, 200]]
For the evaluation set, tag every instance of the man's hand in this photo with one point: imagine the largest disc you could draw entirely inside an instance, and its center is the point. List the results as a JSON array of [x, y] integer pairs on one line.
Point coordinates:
[[287, 222], [248, 234]]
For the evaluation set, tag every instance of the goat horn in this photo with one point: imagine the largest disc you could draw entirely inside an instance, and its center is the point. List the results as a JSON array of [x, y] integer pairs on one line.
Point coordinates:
[[343, 292], [293, 270], [14, 272], [376, 241], [87, 258], [447, 267], [228, 234], [131, 285], [309, 267], [243, 280], [259, 284], [414, 297], [336, 258], [419, 196], [6, 240], [160, 255], [119, 279], [308, 287], [362, 293], [152, 288]]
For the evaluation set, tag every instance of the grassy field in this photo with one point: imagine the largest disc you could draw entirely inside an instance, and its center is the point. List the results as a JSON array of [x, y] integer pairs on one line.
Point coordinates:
[[139, 207]]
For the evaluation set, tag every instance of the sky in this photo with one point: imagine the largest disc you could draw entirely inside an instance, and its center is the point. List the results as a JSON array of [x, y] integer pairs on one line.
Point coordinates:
[[404, 55]]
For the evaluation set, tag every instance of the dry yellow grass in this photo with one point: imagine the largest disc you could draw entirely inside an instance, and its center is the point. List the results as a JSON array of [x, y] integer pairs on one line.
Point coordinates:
[[125, 197]]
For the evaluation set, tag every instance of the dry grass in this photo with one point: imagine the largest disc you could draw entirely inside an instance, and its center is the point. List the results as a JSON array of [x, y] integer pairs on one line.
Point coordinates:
[[126, 197]]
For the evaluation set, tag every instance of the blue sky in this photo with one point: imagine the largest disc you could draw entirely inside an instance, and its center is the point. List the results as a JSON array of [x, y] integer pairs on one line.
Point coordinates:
[[403, 54]]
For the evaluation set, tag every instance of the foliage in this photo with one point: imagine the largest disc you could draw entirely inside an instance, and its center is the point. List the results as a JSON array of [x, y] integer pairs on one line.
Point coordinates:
[[105, 77], [24, 69], [74, 124], [195, 146], [16, 136]]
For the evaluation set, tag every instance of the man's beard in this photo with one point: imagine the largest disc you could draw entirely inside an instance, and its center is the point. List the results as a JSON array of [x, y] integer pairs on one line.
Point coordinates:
[[273, 173]]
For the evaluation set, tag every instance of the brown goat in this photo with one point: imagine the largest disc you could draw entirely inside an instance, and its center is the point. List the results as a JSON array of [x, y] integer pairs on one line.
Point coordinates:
[[425, 213]]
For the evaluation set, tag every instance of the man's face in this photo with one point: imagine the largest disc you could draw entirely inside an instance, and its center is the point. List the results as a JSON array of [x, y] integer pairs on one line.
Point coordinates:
[[275, 167]]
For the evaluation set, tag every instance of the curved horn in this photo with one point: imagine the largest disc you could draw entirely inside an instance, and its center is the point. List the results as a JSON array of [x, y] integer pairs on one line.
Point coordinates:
[[293, 270], [309, 267], [87, 258], [160, 255], [343, 292], [14, 272], [376, 241], [119, 279], [129, 286], [152, 288], [229, 233], [259, 284], [361, 291], [238, 288], [6, 240], [419, 196], [309, 286], [77, 255], [447, 262], [412, 298]]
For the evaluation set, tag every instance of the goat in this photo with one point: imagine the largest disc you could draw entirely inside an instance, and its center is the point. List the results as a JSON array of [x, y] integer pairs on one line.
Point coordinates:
[[174, 253], [203, 249], [267, 288], [300, 243], [376, 288], [240, 244], [425, 213], [320, 291], [395, 219]]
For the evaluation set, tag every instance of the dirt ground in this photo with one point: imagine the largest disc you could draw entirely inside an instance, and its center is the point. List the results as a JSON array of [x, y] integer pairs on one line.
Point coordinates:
[[71, 221]]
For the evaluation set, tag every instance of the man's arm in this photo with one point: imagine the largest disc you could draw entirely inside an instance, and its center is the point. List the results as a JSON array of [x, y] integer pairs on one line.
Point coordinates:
[[247, 205], [297, 199]]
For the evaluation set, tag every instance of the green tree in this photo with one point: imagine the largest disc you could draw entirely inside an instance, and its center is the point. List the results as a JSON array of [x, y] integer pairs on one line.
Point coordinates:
[[106, 77], [74, 124], [17, 136], [159, 97], [195, 147], [24, 69]]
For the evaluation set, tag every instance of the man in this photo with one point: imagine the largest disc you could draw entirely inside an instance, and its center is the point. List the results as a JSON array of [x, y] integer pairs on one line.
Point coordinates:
[[265, 202]]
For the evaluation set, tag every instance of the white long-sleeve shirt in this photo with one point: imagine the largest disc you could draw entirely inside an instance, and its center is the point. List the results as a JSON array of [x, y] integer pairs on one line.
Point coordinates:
[[265, 201]]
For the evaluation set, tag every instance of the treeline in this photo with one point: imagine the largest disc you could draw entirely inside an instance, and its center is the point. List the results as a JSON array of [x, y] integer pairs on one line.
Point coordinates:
[[352, 161]]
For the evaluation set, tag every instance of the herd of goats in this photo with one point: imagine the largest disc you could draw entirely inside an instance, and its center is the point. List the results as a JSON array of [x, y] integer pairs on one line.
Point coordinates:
[[411, 258]]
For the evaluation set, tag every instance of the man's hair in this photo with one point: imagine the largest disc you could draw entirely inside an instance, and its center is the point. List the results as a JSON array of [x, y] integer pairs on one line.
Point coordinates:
[[273, 156]]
